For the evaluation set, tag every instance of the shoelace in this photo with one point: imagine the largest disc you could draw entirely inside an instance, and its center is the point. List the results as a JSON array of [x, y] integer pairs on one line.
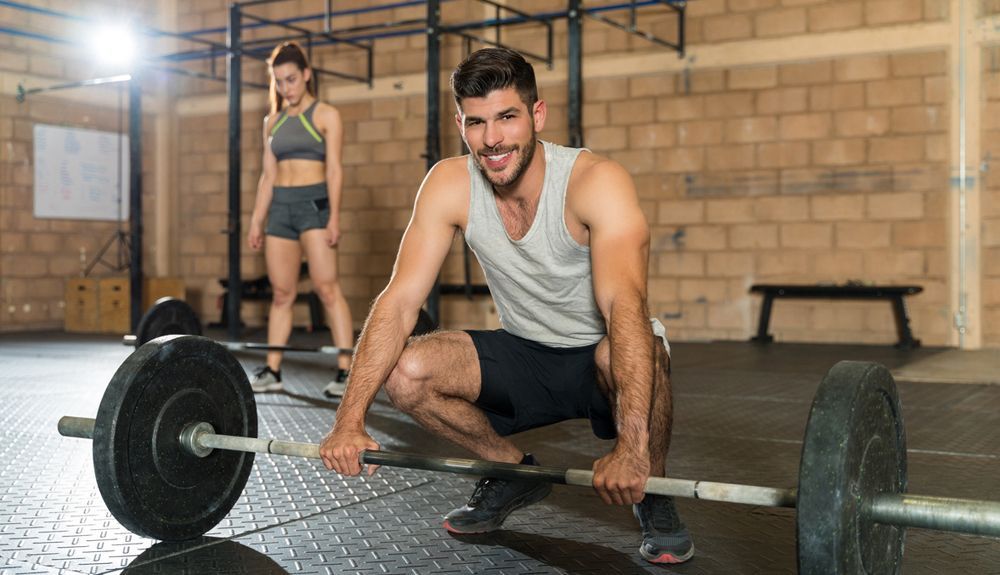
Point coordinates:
[[262, 370], [663, 517], [486, 487]]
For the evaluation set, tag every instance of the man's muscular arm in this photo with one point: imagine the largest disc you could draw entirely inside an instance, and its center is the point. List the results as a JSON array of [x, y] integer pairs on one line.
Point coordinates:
[[619, 242], [428, 237]]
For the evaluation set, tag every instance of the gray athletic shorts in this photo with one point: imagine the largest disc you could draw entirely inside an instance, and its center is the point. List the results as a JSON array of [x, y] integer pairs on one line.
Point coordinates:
[[297, 209]]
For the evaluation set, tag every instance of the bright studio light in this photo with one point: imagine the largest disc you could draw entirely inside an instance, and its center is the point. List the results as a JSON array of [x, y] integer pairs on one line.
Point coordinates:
[[115, 45]]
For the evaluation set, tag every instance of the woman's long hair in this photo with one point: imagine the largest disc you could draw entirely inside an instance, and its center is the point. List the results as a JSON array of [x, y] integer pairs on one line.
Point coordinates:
[[282, 54]]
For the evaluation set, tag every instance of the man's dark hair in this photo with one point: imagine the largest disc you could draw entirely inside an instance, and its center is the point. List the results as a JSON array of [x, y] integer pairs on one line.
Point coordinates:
[[492, 69]]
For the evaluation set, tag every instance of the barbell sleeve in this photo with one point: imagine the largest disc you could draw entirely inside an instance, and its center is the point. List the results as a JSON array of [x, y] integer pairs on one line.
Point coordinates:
[[82, 427], [940, 513]]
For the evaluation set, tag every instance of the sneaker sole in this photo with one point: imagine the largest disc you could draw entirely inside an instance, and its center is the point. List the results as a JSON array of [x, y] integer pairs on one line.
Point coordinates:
[[268, 388], [667, 558], [494, 524]]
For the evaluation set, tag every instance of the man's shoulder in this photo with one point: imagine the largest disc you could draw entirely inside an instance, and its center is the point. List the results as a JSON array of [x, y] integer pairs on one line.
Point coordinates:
[[449, 172], [590, 168], [446, 177]]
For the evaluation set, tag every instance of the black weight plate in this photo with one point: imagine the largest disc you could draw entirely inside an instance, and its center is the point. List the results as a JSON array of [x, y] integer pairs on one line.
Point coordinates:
[[152, 486], [854, 448], [424, 324], [168, 316]]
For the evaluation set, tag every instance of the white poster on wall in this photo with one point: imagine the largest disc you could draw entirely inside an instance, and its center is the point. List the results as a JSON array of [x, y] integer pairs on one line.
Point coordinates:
[[80, 174]]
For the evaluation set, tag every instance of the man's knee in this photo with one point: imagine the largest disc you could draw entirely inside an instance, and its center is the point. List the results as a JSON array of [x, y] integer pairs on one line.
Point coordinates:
[[602, 360], [662, 358], [406, 382]]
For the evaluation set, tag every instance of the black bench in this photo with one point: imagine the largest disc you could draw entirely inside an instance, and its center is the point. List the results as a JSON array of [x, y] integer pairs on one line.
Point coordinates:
[[894, 294]]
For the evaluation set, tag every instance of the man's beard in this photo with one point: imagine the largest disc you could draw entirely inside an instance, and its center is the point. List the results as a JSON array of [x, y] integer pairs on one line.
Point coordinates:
[[523, 159]]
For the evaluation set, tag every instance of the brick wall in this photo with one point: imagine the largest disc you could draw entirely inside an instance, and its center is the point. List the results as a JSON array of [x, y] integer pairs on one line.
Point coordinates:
[[826, 171], [819, 171], [38, 256], [991, 196]]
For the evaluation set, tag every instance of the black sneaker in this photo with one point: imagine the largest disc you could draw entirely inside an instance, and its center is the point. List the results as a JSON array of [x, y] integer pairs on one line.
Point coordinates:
[[493, 500], [338, 386], [266, 379], [665, 539]]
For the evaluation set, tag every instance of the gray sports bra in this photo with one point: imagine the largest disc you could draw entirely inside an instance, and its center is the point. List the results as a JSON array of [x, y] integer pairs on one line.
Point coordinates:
[[295, 137]]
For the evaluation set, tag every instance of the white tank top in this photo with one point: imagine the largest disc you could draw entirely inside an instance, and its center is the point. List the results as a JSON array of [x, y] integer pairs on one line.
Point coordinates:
[[542, 284]]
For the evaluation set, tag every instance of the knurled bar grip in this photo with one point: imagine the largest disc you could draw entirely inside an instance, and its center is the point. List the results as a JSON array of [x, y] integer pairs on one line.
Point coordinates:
[[941, 513], [579, 477]]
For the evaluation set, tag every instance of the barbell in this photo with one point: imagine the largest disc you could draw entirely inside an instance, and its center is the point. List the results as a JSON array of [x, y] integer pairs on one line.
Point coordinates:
[[175, 437], [171, 316]]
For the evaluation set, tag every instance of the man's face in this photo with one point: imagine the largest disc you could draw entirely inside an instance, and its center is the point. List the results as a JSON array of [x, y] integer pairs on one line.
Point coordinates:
[[500, 132]]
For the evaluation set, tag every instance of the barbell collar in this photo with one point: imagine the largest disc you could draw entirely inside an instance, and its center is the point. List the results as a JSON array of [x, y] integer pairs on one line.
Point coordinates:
[[941, 513]]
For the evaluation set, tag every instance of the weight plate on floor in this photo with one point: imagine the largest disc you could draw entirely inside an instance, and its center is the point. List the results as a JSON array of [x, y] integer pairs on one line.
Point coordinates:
[[168, 316], [153, 486], [854, 448]]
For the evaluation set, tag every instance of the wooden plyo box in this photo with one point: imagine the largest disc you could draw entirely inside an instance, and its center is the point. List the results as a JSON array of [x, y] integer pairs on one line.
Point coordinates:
[[81, 306]]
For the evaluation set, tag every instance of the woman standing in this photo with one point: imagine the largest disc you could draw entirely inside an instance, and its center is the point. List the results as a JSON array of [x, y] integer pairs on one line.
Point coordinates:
[[299, 197]]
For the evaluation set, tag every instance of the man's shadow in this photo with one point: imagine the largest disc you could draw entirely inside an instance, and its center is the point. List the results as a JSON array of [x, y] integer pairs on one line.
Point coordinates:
[[566, 555]]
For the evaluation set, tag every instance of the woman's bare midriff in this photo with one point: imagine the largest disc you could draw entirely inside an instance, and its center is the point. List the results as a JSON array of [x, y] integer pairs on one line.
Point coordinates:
[[300, 173]]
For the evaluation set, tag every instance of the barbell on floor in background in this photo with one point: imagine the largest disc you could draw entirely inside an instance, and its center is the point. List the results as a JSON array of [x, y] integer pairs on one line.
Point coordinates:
[[175, 436], [171, 316]]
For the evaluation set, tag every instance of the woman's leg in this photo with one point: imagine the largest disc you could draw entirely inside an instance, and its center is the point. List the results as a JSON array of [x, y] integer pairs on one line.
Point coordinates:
[[326, 282], [284, 258]]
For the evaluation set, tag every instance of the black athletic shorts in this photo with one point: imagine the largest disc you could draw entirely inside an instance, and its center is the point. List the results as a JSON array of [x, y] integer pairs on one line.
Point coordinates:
[[526, 384]]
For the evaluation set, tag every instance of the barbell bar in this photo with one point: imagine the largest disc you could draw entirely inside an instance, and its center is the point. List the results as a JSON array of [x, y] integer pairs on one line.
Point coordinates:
[[200, 439], [172, 316], [940, 513], [130, 340], [175, 437]]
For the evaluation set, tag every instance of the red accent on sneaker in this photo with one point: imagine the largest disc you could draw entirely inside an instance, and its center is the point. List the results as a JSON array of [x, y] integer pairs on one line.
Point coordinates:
[[666, 558], [451, 529]]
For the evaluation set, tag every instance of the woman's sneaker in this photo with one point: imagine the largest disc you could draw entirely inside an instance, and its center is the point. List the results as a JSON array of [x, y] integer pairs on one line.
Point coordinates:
[[266, 379], [665, 539], [338, 386], [493, 500]]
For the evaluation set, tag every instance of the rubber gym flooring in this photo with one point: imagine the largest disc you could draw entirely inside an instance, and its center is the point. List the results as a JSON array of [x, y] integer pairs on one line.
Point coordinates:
[[740, 413]]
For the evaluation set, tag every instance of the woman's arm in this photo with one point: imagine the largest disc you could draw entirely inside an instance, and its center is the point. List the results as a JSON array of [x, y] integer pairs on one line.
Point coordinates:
[[332, 128], [265, 189]]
